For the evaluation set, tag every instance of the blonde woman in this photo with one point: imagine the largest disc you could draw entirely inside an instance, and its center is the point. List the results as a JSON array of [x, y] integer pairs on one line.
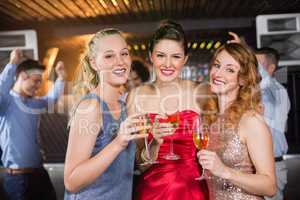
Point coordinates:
[[100, 154]]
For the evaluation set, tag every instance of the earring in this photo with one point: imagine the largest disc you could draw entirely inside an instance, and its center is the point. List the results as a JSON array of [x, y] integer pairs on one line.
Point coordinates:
[[153, 75]]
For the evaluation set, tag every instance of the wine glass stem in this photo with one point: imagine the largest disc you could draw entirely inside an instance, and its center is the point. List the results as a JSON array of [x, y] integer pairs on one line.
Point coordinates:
[[202, 177], [171, 146], [203, 171], [147, 148]]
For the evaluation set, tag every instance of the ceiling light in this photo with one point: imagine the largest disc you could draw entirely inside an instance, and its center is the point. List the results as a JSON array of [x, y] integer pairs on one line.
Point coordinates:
[[103, 4], [136, 47], [126, 2], [209, 45], [217, 44], [202, 45], [143, 47], [115, 3], [194, 46]]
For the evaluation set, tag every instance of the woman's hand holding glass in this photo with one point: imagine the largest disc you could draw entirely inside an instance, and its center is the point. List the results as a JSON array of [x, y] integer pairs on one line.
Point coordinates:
[[159, 130], [200, 139], [174, 120], [132, 128], [211, 161]]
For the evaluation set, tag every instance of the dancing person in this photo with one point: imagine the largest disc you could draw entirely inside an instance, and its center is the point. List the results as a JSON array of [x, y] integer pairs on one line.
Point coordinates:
[[276, 108], [276, 105], [24, 175]]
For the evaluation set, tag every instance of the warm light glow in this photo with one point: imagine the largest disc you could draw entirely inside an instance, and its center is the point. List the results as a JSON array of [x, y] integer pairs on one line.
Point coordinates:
[[202, 45], [129, 47], [18, 5], [209, 45], [115, 3], [126, 2], [102, 2], [143, 47], [139, 3], [48, 61], [136, 47], [217, 45], [151, 3], [194, 46], [189, 44]]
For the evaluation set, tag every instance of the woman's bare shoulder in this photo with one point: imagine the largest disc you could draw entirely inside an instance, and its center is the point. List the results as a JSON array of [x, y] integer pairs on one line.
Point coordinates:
[[252, 124], [146, 88]]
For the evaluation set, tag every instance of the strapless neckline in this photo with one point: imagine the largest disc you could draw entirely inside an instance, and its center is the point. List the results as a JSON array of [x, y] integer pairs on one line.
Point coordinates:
[[182, 111]]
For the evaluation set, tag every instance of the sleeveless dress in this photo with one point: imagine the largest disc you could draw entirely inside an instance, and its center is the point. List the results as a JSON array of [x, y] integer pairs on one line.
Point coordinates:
[[116, 182], [234, 154], [175, 180]]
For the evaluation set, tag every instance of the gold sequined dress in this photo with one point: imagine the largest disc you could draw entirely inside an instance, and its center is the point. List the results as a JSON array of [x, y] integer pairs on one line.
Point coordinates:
[[234, 154]]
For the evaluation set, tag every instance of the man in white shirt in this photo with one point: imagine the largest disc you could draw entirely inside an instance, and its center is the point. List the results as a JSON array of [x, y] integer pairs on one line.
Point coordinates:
[[276, 107]]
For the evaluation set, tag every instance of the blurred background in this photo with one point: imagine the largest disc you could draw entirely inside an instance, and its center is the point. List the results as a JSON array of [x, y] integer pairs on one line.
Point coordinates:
[[53, 30]]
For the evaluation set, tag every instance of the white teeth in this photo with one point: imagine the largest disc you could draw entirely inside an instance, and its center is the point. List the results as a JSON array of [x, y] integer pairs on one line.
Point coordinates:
[[217, 82], [119, 71], [167, 72]]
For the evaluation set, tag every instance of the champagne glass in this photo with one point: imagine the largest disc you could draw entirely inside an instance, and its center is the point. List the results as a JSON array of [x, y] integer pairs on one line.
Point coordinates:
[[200, 139], [147, 150], [174, 120]]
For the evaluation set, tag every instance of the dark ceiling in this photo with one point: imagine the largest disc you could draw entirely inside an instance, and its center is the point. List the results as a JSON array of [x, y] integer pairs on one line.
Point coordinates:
[[17, 13]]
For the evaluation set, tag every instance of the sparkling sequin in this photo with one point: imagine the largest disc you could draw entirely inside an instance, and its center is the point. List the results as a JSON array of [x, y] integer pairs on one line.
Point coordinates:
[[234, 154]]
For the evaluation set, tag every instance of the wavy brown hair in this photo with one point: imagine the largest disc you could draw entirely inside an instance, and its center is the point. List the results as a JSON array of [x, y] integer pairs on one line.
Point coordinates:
[[248, 97]]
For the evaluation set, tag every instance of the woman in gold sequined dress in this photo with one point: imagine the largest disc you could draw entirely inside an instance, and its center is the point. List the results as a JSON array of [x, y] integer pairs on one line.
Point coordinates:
[[239, 158]]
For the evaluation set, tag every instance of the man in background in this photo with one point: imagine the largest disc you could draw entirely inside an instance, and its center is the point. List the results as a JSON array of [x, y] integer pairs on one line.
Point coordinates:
[[276, 108], [139, 74], [24, 175]]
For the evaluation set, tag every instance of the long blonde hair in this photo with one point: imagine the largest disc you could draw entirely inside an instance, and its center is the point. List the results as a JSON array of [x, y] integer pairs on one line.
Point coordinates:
[[87, 78], [249, 95]]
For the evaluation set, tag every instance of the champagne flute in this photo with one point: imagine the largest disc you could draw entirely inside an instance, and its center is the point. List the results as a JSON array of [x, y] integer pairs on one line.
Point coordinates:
[[150, 160], [200, 139], [174, 119]]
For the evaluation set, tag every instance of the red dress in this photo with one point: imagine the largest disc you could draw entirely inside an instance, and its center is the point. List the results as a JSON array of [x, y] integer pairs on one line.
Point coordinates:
[[175, 180]]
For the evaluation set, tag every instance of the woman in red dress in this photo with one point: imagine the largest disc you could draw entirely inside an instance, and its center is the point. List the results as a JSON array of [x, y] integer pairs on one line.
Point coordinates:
[[173, 176]]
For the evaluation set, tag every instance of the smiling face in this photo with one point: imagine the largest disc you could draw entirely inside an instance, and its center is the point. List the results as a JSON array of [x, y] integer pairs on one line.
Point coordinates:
[[168, 58], [30, 84], [224, 74], [112, 60]]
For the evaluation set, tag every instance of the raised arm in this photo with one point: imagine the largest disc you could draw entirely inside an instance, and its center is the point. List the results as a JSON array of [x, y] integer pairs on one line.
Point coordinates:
[[58, 87], [8, 74]]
